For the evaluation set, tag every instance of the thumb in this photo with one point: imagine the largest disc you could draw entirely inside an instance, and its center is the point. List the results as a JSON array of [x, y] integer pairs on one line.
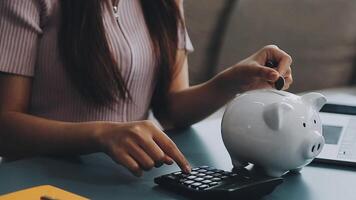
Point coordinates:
[[266, 73]]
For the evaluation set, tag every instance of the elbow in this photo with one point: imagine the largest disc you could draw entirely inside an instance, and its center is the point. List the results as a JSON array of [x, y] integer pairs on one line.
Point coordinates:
[[170, 119], [169, 122], [6, 144]]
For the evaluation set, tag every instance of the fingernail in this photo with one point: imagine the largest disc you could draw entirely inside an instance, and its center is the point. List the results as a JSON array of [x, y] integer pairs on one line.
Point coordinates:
[[187, 169]]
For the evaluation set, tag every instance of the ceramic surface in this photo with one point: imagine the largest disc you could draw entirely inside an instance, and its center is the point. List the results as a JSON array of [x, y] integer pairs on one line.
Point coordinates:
[[276, 130]]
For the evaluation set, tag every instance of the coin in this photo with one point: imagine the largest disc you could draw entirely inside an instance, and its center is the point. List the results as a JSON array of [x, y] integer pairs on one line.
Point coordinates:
[[279, 84]]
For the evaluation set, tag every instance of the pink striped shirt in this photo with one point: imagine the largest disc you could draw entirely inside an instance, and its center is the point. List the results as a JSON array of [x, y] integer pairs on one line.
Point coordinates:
[[28, 47]]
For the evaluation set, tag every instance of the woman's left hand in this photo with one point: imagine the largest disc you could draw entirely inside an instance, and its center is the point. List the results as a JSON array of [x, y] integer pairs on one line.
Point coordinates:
[[251, 73]]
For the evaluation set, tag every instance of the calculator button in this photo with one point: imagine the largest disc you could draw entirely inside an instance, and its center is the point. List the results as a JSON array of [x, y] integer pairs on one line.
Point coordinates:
[[224, 177], [208, 177], [216, 179], [171, 177], [213, 183], [202, 170], [198, 179], [183, 175], [177, 173], [206, 181], [194, 172], [203, 186], [196, 184], [216, 174], [201, 174], [188, 182], [209, 172], [183, 180], [195, 168], [191, 177], [217, 170]]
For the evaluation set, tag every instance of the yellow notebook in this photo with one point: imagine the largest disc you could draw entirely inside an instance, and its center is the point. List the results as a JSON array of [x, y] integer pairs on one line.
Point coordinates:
[[46, 192]]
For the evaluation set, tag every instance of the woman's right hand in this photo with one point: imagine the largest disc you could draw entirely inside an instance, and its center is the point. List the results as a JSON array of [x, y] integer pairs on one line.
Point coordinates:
[[139, 145]]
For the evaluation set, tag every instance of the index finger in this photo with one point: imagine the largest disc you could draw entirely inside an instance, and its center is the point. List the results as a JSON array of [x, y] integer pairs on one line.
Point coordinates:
[[284, 60], [171, 149]]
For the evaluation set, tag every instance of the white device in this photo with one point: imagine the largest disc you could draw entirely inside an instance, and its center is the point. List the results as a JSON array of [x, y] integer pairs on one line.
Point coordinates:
[[339, 131]]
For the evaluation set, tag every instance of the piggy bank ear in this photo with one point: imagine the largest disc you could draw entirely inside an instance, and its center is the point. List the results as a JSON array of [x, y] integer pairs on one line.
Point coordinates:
[[273, 114], [317, 100]]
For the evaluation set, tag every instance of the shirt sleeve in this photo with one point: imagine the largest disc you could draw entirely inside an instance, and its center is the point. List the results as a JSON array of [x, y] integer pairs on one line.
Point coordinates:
[[184, 41], [19, 35]]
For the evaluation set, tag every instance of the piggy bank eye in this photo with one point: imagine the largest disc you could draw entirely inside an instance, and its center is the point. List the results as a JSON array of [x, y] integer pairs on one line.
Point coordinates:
[[314, 121], [304, 124]]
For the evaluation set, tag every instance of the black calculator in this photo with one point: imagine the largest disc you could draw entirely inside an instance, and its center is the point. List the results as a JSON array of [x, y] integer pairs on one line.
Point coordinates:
[[210, 183]]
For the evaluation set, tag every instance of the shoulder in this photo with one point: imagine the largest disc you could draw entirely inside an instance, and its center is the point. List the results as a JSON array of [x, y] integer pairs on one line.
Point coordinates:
[[37, 5], [180, 3], [180, 6], [32, 12]]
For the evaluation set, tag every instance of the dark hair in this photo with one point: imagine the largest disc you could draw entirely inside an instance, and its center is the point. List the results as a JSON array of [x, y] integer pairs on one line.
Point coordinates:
[[86, 55]]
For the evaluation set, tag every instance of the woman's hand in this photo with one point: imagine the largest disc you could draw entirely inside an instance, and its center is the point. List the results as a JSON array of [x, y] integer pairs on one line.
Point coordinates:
[[139, 146], [251, 73]]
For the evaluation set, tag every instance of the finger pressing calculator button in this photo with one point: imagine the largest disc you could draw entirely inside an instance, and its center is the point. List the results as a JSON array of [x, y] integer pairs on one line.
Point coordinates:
[[205, 183]]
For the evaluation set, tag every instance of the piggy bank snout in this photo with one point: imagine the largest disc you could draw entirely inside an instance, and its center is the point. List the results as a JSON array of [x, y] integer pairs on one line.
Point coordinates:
[[313, 145]]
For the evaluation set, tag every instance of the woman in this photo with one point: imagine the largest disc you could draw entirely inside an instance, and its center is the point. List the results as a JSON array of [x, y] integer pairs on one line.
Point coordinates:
[[79, 77]]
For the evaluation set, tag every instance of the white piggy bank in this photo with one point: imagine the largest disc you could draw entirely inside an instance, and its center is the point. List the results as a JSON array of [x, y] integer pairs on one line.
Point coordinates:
[[275, 130]]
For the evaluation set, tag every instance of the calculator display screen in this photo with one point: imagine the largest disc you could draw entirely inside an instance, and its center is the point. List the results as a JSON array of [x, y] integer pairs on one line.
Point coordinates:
[[331, 134]]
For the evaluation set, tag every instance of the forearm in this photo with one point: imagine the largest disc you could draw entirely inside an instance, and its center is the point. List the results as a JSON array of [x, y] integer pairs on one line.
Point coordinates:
[[26, 135], [195, 103]]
